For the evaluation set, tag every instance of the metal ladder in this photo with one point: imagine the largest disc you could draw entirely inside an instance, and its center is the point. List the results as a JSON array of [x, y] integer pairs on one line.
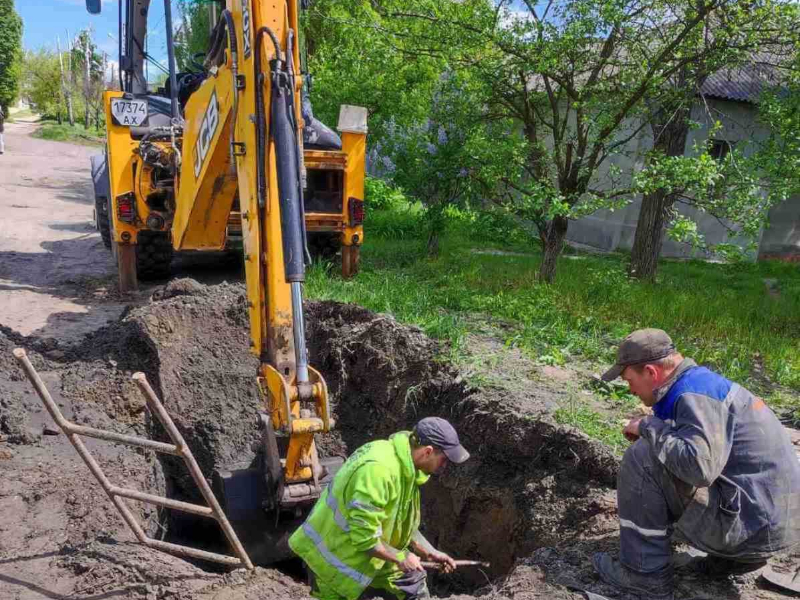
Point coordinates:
[[117, 494]]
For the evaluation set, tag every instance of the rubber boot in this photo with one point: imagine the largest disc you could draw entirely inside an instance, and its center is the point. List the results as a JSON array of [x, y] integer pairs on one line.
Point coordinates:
[[653, 586]]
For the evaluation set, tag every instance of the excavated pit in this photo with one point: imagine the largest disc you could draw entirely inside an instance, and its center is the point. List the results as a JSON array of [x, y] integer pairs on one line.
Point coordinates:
[[530, 483]]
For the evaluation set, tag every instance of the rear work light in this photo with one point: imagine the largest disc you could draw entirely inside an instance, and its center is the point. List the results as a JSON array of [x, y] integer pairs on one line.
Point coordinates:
[[356, 209], [126, 207]]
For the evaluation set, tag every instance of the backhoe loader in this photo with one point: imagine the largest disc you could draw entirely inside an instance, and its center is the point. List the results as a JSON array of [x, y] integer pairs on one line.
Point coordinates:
[[233, 148], [170, 179]]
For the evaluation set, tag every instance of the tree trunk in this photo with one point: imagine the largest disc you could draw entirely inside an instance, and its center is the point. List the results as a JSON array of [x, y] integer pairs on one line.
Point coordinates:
[[649, 235], [436, 225], [433, 243], [670, 129], [553, 245]]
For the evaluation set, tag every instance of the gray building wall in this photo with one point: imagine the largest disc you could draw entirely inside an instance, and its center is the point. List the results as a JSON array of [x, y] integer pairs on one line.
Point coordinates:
[[614, 230]]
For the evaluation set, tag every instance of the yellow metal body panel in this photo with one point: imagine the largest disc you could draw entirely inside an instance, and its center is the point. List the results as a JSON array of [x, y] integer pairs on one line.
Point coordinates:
[[354, 145], [122, 162], [207, 183]]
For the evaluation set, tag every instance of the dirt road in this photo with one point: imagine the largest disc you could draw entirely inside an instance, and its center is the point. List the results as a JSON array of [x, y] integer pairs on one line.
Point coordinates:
[[54, 270]]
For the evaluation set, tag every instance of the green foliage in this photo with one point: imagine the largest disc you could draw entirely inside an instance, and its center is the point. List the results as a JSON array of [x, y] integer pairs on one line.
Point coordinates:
[[577, 77], [754, 176], [63, 132], [10, 54], [398, 224], [192, 38], [600, 427], [380, 194], [352, 61], [495, 227], [42, 84]]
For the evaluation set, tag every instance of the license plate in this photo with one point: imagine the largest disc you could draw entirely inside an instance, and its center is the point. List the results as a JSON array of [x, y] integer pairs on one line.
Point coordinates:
[[129, 113]]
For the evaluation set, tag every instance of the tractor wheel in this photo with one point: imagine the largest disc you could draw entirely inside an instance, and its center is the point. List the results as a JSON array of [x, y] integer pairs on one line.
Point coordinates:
[[153, 255], [103, 220]]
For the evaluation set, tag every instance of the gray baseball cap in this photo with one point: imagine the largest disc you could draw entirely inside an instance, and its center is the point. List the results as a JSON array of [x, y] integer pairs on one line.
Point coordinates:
[[640, 347], [436, 432]]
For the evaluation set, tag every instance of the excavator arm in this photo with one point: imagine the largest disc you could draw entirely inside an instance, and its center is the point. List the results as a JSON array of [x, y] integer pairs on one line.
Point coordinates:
[[243, 137], [234, 147]]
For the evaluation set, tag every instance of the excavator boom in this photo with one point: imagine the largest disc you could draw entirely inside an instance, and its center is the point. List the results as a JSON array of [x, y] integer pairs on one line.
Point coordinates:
[[232, 151]]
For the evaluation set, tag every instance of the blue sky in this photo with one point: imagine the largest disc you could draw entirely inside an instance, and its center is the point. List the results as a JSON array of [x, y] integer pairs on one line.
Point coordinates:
[[45, 20]]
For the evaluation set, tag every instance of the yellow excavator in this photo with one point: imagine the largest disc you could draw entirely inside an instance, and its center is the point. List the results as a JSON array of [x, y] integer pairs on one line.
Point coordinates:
[[181, 163], [230, 149]]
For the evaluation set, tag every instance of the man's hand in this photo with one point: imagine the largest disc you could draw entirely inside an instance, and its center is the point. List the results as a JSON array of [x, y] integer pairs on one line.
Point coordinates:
[[448, 564], [631, 430], [411, 563]]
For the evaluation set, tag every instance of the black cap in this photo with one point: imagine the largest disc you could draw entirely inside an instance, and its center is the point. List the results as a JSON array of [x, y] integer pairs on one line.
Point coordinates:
[[436, 432], [641, 347]]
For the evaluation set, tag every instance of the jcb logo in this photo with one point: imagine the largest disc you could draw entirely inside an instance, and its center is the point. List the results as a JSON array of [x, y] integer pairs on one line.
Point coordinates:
[[246, 27], [207, 130]]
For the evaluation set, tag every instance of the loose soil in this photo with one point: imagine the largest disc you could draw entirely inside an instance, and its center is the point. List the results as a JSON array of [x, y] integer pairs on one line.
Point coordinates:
[[536, 499]]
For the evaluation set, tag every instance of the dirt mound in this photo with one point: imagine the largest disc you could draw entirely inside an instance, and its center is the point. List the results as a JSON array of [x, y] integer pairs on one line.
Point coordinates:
[[536, 498], [530, 482]]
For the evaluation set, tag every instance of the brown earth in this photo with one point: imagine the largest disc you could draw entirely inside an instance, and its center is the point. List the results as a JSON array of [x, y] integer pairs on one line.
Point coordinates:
[[536, 499]]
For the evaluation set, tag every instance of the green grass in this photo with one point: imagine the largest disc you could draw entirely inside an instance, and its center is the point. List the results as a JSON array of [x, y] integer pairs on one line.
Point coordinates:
[[600, 427], [21, 114], [77, 134], [720, 315]]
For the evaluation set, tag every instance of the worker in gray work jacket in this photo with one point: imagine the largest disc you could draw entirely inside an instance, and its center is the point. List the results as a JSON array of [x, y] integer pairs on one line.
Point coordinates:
[[712, 462]]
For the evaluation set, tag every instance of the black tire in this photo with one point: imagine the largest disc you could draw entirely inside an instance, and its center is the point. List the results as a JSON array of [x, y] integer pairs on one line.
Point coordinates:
[[103, 220], [153, 255]]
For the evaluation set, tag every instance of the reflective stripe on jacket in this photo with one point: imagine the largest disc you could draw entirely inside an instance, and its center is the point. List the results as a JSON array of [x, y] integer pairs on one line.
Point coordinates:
[[374, 497]]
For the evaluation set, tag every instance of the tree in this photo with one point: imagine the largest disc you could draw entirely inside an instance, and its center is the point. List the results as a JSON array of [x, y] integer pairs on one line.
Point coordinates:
[[426, 131], [87, 65], [42, 84], [575, 74], [10, 54], [735, 44], [193, 36], [351, 61], [438, 160]]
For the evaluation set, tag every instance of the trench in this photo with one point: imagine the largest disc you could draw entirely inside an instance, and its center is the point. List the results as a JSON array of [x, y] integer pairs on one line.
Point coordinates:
[[530, 483]]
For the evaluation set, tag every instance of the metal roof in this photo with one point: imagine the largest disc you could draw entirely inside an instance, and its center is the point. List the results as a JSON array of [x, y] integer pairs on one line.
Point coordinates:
[[744, 83]]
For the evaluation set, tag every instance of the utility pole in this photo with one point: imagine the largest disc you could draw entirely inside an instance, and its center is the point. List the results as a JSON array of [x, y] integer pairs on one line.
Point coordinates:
[[87, 88], [64, 87]]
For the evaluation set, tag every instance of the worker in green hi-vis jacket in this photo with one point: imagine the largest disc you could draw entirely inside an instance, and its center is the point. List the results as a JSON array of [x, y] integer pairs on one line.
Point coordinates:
[[363, 531]]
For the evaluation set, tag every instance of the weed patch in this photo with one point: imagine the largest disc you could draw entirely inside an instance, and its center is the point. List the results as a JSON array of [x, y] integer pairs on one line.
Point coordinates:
[[50, 130]]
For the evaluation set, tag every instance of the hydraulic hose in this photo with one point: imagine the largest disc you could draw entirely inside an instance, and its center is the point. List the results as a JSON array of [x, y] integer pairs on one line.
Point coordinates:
[[300, 163], [227, 17], [284, 133], [261, 126]]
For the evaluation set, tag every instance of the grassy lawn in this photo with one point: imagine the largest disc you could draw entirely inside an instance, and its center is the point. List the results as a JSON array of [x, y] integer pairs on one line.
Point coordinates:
[[719, 314], [78, 134]]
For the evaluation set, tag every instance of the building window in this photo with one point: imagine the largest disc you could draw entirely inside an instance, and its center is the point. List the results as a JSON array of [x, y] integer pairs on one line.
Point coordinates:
[[719, 149]]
